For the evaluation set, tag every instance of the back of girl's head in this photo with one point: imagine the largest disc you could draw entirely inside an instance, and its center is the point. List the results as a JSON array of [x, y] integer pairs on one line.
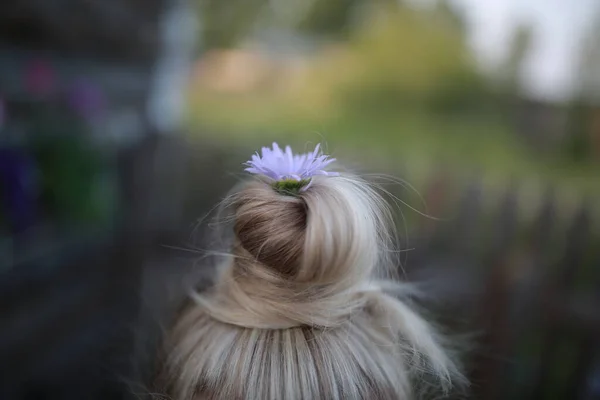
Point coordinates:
[[300, 309]]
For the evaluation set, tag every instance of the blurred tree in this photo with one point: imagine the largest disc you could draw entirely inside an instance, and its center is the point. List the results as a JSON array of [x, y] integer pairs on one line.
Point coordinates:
[[510, 69], [405, 56], [329, 17], [589, 63], [382, 53], [334, 19], [224, 23], [579, 140], [450, 13]]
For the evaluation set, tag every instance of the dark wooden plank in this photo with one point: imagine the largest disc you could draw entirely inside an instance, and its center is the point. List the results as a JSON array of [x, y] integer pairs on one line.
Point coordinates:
[[491, 359], [583, 312], [578, 236]]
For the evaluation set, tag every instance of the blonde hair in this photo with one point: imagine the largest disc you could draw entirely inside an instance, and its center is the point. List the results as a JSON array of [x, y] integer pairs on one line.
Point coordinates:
[[304, 307]]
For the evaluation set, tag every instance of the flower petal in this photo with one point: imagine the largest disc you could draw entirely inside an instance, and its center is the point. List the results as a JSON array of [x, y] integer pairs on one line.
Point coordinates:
[[278, 164]]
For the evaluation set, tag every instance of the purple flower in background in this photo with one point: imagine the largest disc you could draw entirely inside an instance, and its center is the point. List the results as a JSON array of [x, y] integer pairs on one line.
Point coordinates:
[[281, 165], [18, 188], [40, 78], [86, 99]]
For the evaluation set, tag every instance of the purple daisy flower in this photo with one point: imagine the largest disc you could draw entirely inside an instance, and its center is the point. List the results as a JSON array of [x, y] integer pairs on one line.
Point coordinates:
[[280, 165]]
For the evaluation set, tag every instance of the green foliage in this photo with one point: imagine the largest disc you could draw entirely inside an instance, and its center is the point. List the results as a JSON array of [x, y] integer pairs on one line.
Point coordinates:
[[452, 16], [512, 66], [329, 17], [578, 141], [72, 170], [224, 22], [589, 62], [404, 56]]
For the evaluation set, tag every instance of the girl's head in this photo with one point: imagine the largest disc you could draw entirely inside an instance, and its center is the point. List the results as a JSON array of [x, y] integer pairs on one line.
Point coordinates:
[[301, 310]]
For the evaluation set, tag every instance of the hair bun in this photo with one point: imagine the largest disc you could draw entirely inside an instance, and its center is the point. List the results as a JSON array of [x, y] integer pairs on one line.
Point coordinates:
[[270, 227], [300, 260]]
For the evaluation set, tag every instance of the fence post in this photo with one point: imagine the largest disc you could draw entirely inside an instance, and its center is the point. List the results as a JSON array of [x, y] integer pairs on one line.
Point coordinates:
[[493, 316], [558, 294]]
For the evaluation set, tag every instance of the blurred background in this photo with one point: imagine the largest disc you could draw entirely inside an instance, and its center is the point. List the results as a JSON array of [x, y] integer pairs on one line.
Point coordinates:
[[123, 122]]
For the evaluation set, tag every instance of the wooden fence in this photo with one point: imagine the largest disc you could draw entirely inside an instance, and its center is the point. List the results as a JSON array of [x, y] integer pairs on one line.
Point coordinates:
[[528, 289]]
